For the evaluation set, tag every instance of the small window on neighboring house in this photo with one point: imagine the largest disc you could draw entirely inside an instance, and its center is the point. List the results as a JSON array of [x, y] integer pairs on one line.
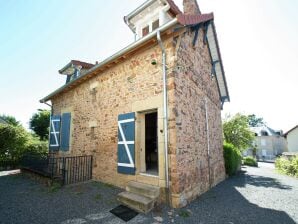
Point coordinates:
[[264, 133], [155, 25], [145, 31]]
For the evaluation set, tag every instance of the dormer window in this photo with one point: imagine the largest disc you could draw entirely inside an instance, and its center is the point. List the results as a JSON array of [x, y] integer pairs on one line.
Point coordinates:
[[74, 69], [150, 16], [155, 25], [145, 31]]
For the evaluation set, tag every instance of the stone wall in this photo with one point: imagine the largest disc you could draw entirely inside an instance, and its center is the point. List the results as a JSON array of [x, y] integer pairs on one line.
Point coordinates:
[[96, 103], [193, 171]]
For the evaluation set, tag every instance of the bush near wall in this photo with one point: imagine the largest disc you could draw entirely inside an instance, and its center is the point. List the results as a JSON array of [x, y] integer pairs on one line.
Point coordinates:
[[250, 161], [287, 166], [232, 158], [15, 143]]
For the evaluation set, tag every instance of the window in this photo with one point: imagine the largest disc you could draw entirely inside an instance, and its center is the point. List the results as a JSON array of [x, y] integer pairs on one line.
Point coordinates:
[[155, 25], [145, 31], [264, 133]]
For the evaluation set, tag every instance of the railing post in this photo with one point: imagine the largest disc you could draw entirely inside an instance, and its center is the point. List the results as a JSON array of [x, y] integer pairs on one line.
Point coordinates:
[[63, 170], [91, 167]]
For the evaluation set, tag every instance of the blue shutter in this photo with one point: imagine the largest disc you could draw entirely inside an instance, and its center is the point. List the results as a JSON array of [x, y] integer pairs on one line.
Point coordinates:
[[126, 143], [65, 131], [54, 133]]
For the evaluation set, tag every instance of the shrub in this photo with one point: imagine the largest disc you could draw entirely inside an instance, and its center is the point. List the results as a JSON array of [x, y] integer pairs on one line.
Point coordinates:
[[287, 166], [16, 142], [232, 158], [36, 147], [250, 161]]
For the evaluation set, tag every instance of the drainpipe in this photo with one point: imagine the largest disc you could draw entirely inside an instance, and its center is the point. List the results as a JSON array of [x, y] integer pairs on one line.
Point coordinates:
[[208, 139], [165, 106]]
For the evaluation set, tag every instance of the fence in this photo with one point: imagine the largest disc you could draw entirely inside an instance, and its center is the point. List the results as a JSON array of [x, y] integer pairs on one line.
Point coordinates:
[[68, 170], [9, 164]]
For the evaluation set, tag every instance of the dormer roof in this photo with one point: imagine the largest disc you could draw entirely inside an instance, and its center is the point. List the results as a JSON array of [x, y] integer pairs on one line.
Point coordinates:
[[69, 68]]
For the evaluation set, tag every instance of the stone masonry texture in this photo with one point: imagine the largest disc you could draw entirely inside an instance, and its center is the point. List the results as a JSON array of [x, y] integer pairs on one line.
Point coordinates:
[[195, 92], [96, 103]]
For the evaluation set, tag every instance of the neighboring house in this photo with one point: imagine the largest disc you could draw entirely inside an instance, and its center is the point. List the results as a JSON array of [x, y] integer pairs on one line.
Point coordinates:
[[292, 139], [268, 143], [150, 113]]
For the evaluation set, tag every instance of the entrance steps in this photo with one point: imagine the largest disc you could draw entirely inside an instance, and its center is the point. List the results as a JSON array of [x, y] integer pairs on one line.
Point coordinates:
[[139, 196]]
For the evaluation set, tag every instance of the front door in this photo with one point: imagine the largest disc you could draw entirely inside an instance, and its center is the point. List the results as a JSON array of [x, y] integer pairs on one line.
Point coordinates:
[[151, 143]]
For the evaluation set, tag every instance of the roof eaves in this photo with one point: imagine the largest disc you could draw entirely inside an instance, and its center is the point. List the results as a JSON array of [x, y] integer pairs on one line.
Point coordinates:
[[292, 129], [184, 19], [64, 68], [139, 9], [221, 63], [174, 8]]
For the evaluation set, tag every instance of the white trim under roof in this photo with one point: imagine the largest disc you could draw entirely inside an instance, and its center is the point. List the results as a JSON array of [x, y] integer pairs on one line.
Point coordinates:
[[217, 63]]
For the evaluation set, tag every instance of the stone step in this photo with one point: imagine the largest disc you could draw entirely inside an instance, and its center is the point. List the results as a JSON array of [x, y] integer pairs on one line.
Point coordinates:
[[146, 190], [136, 202]]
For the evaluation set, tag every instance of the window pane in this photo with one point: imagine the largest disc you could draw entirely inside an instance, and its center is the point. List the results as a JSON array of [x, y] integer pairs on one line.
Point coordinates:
[[145, 30], [155, 25]]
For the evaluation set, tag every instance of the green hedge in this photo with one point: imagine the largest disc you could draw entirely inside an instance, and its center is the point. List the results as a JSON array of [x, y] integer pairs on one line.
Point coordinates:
[[250, 161], [15, 143], [287, 166], [232, 158]]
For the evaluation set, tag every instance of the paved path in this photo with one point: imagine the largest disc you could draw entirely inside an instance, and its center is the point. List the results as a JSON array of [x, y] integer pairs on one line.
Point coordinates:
[[256, 195]]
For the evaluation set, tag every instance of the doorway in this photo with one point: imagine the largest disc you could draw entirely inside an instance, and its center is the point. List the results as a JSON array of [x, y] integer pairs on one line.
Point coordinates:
[[151, 143]]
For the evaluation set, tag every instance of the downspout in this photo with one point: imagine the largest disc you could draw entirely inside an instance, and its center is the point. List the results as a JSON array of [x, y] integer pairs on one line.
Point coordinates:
[[165, 106], [208, 139]]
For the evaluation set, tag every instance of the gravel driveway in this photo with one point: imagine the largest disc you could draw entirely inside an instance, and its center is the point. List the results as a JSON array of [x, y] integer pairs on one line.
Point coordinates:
[[256, 195]]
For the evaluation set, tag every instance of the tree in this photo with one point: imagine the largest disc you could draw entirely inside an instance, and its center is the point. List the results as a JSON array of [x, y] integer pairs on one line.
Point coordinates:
[[255, 121], [236, 131], [10, 120], [13, 141], [40, 123]]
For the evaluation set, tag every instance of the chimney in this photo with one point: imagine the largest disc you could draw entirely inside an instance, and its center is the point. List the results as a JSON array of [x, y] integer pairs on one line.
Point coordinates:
[[191, 7]]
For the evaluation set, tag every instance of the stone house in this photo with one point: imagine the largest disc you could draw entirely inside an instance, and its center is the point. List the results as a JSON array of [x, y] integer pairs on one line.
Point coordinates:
[[151, 113], [292, 139], [269, 143]]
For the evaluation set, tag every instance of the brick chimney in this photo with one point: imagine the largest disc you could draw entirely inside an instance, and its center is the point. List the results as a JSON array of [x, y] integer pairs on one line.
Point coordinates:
[[191, 7]]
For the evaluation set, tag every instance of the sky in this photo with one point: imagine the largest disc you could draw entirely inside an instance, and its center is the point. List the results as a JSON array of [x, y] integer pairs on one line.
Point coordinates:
[[257, 38]]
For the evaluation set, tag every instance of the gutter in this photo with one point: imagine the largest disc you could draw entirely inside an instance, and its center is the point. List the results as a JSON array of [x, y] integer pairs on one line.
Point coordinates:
[[139, 9], [113, 57], [165, 107]]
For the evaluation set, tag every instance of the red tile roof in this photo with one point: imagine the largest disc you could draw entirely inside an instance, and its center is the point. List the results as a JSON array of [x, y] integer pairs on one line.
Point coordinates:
[[184, 19], [194, 19], [174, 8], [84, 65]]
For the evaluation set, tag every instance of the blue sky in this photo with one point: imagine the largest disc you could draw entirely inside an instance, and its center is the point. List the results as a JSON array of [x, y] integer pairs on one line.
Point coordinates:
[[258, 41]]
